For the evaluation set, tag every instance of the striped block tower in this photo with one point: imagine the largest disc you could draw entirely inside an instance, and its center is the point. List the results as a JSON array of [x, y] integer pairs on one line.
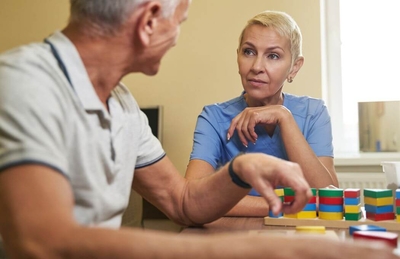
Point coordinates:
[[397, 204], [352, 204], [280, 193], [378, 204], [330, 204], [309, 211]]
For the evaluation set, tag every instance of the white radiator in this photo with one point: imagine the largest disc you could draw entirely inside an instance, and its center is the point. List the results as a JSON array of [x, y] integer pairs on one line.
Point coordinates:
[[362, 180]]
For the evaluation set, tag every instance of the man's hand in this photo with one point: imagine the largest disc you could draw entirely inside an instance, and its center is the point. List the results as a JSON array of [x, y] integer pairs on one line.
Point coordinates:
[[264, 173]]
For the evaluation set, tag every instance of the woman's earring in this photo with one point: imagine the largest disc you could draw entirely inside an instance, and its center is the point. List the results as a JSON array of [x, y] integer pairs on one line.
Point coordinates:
[[290, 80]]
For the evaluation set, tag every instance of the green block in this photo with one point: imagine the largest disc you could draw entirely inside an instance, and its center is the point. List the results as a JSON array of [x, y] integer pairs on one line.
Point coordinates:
[[288, 191], [378, 193], [352, 216], [397, 210], [314, 191], [326, 192]]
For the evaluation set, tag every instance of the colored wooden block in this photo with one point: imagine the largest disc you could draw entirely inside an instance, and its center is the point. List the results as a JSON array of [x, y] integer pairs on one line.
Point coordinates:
[[397, 202], [292, 216], [379, 217], [302, 215], [314, 191], [379, 209], [270, 214], [352, 208], [398, 218], [397, 210], [351, 193], [378, 193], [288, 191], [288, 199], [310, 229], [378, 201], [310, 207], [389, 238], [313, 199], [330, 215], [307, 215], [331, 200], [365, 227], [330, 208], [353, 216], [351, 201], [397, 194], [326, 192], [279, 192]]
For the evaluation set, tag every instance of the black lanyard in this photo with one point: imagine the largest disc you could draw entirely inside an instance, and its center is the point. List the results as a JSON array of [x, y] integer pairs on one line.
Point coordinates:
[[60, 62]]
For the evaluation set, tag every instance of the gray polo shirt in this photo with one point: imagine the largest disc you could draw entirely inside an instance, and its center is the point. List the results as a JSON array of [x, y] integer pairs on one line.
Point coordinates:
[[45, 120]]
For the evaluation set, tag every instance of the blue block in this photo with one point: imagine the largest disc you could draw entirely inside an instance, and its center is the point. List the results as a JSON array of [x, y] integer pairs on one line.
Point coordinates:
[[352, 229], [397, 193], [330, 208], [271, 215], [310, 207], [253, 192], [379, 209], [352, 201]]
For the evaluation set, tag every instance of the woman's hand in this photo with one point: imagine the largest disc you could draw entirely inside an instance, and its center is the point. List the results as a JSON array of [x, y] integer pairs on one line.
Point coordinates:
[[244, 123]]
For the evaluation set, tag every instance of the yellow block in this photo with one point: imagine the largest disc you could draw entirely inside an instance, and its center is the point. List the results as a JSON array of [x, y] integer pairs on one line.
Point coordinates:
[[302, 215], [311, 229], [279, 192], [378, 201], [352, 208], [330, 215], [398, 218]]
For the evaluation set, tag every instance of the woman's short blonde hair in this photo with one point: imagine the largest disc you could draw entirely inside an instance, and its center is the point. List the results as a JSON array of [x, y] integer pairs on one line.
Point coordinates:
[[283, 24]]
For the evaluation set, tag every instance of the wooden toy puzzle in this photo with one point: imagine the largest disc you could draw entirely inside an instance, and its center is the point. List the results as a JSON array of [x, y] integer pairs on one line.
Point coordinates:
[[342, 208]]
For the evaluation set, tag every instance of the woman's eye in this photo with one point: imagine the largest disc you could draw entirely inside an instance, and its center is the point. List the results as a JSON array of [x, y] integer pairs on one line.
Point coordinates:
[[248, 52], [273, 56]]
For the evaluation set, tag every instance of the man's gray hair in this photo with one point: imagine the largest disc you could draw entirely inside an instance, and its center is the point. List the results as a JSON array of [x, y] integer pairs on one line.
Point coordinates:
[[107, 15]]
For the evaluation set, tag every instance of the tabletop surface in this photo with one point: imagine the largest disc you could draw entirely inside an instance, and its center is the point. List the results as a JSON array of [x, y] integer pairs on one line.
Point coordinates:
[[254, 225]]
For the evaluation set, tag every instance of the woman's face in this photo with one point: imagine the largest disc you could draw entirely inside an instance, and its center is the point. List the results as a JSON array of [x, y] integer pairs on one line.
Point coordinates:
[[264, 61]]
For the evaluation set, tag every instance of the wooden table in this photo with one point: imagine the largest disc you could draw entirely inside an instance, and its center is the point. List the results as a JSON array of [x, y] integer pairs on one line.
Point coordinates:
[[229, 224], [254, 225]]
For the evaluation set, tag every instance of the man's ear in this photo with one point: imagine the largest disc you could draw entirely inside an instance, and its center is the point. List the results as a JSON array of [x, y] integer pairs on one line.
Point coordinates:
[[147, 21]]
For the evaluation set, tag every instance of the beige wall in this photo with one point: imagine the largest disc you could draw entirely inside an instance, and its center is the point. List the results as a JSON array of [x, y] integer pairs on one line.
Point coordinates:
[[200, 70]]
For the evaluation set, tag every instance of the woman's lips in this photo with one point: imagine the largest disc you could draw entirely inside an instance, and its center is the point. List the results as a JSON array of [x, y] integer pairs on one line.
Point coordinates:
[[257, 83]]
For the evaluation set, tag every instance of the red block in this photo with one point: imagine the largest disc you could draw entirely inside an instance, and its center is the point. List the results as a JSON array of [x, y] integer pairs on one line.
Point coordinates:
[[397, 202], [331, 200], [351, 193], [389, 238], [288, 199], [381, 216], [313, 199]]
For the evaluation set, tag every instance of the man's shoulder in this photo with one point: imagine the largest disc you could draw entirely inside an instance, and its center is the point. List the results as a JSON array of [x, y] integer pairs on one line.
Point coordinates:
[[30, 60], [29, 52]]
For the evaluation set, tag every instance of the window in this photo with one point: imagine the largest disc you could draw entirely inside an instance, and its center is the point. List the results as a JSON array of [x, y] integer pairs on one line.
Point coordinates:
[[361, 54]]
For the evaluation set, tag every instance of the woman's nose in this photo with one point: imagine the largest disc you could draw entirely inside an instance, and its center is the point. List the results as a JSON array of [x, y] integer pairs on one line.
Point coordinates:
[[258, 65]]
